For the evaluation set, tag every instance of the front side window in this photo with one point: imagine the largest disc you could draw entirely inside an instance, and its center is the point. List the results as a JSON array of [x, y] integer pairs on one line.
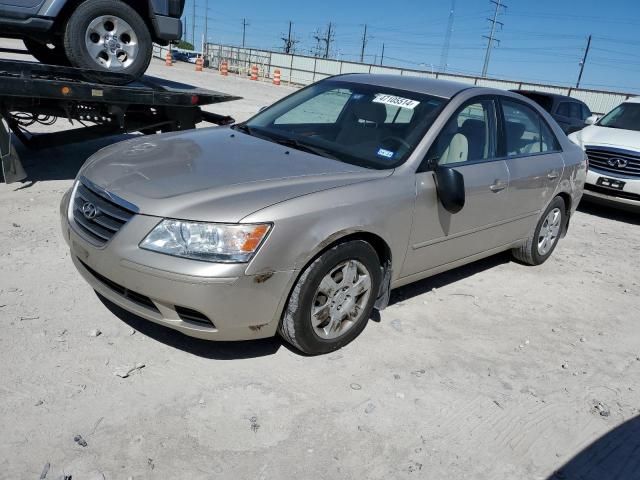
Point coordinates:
[[468, 136], [625, 116], [525, 131], [586, 113], [366, 125], [563, 109]]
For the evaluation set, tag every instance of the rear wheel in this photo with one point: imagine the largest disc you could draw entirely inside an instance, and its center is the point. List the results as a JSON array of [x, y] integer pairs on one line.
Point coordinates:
[[108, 35], [333, 299], [51, 53], [544, 239]]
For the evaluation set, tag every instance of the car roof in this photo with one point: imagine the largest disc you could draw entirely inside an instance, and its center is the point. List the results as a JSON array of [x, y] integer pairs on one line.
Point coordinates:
[[428, 86], [549, 94]]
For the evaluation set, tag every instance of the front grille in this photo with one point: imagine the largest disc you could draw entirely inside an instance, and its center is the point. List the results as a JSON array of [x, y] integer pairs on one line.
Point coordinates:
[[612, 192], [109, 216], [600, 157], [193, 316], [130, 295]]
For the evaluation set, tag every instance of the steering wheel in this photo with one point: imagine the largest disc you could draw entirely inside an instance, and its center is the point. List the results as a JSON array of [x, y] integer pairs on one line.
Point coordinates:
[[399, 140]]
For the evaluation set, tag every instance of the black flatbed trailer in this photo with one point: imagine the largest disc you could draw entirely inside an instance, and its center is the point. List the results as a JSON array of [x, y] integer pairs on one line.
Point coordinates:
[[34, 93]]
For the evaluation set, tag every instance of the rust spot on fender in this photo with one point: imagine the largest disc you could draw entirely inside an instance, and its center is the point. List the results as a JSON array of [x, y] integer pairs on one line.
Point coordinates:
[[263, 277]]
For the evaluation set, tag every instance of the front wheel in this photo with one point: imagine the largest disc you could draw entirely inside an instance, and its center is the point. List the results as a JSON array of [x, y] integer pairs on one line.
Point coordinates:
[[108, 35], [333, 299], [544, 238]]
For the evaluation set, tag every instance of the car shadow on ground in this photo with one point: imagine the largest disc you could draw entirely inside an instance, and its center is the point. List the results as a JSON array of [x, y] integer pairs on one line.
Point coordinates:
[[614, 456], [58, 163], [610, 212], [195, 346], [437, 281]]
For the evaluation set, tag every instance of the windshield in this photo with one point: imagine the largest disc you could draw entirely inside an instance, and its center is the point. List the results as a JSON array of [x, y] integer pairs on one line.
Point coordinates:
[[365, 125], [625, 116]]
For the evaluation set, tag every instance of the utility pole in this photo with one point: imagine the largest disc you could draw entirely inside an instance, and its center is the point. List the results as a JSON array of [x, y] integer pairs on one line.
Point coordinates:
[[328, 40], [206, 28], [289, 42], [584, 60], [364, 43], [491, 37], [193, 25], [447, 38], [244, 30], [382, 56]]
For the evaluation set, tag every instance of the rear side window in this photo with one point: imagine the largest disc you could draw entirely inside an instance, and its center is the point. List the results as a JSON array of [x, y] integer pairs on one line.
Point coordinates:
[[525, 131]]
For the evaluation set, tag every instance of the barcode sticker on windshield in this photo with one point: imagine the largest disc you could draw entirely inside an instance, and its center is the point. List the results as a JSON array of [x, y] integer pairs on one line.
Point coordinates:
[[396, 101]]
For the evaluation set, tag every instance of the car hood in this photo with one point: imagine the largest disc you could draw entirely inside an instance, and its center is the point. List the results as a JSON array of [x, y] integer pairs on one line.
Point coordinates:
[[613, 137], [213, 174]]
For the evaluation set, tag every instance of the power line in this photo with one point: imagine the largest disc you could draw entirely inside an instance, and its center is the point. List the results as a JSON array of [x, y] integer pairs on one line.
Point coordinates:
[[491, 37], [447, 38], [584, 60]]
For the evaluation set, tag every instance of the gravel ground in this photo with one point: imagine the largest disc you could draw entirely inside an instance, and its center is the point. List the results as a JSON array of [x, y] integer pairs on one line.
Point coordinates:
[[495, 370]]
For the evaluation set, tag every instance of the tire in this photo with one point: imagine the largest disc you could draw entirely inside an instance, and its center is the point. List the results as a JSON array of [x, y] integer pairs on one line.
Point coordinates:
[[108, 36], [550, 227], [297, 324], [48, 53]]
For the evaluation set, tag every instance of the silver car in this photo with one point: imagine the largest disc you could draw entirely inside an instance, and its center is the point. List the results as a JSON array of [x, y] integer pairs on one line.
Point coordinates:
[[301, 220]]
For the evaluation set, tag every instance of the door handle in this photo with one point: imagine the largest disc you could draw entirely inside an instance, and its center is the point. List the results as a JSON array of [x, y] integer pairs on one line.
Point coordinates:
[[498, 186], [552, 175]]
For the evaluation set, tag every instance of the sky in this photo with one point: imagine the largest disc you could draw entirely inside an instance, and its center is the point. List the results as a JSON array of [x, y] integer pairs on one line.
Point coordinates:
[[540, 40]]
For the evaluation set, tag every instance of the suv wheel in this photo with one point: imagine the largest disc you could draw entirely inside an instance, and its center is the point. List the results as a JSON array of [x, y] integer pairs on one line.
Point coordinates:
[[108, 35], [47, 53], [544, 239], [332, 300]]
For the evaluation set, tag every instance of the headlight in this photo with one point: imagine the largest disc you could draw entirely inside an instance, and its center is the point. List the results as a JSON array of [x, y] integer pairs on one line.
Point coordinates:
[[211, 242]]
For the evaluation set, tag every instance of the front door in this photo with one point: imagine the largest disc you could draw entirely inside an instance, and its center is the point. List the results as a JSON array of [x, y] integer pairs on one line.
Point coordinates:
[[468, 143]]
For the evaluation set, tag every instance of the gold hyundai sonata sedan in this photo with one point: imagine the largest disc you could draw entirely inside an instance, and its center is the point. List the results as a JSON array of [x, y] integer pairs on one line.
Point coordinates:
[[301, 220]]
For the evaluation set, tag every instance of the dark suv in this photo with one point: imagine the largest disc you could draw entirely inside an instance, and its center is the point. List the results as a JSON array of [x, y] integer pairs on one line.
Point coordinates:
[[108, 35], [569, 112]]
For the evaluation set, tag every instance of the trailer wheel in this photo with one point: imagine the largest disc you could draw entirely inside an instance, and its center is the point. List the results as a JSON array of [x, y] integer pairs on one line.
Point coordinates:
[[47, 53], [108, 35]]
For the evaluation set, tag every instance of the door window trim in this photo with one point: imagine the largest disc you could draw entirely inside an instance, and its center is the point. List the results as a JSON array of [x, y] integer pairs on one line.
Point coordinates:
[[493, 121], [503, 131]]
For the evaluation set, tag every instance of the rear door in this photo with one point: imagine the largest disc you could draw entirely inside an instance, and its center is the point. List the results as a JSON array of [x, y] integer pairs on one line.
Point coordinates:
[[534, 159], [467, 143]]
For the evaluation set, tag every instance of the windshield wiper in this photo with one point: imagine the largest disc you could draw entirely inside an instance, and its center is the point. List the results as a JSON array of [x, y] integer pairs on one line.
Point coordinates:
[[243, 127], [304, 147]]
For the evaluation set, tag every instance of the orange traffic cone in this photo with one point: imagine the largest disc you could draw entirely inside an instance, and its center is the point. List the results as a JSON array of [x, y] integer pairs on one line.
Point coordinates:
[[168, 60], [254, 72], [224, 68], [276, 76], [199, 63]]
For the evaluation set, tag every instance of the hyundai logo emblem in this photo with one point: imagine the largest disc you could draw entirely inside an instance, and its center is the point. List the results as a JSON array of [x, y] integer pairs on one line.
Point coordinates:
[[89, 210], [617, 162]]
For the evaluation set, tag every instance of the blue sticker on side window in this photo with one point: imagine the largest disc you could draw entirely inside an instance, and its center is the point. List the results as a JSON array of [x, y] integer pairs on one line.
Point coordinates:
[[385, 153]]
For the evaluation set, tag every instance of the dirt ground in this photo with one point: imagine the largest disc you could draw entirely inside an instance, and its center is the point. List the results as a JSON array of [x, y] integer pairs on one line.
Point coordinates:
[[491, 371]]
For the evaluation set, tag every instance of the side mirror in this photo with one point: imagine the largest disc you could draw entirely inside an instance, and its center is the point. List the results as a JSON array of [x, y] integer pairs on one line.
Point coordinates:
[[450, 187], [591, 120]]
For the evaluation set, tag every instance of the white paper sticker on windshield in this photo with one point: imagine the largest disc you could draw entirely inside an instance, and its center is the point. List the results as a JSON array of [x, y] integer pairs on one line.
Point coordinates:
[[396, 101]]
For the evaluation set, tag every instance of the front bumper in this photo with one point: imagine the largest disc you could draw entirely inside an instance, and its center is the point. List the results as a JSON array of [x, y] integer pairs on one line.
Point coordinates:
[[629, 196], [156, 286]]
